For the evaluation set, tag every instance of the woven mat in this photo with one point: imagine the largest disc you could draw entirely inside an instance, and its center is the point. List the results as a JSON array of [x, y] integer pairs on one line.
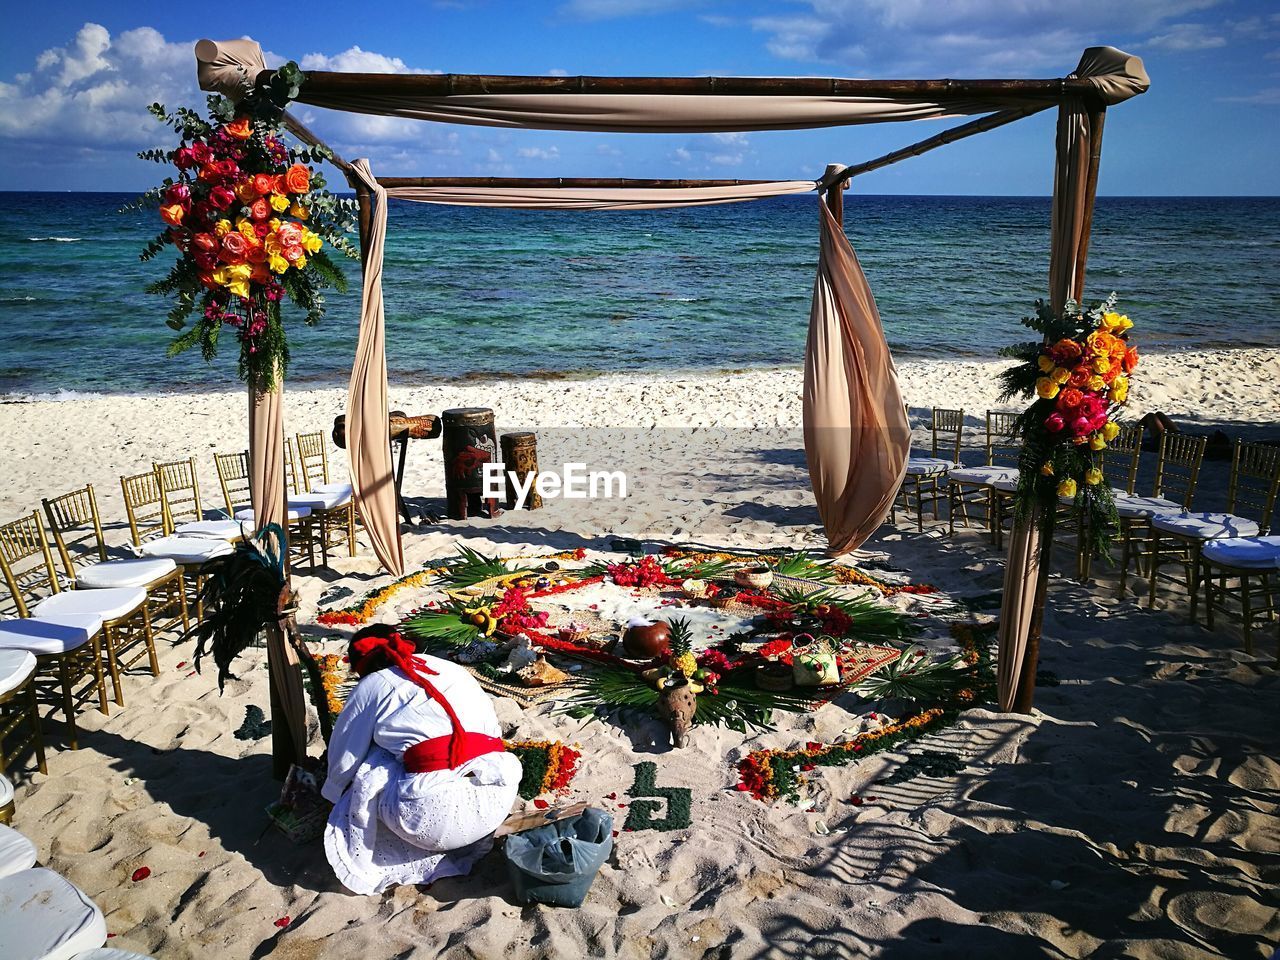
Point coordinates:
[[527, 696], [862, 661]]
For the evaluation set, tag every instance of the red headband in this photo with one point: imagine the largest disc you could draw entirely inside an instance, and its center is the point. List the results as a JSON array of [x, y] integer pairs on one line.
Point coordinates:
[[395, 647]]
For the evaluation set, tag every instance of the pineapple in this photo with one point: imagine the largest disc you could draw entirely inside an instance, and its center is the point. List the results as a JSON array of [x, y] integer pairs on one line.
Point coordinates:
[[682, 659]]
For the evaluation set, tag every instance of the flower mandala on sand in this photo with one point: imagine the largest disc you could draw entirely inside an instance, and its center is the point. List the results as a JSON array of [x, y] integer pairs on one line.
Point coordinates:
[[549, 765], [1078, 375], [249, 218]]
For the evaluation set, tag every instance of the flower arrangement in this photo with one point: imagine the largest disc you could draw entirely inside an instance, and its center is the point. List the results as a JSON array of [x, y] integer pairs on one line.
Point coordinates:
[[799, 565], [1078, 375], [775, 774], [249, 217], [334, 673], [361, 612]]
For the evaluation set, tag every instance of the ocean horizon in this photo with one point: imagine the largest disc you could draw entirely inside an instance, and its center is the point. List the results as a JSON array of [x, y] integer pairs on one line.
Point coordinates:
[[481, 294]]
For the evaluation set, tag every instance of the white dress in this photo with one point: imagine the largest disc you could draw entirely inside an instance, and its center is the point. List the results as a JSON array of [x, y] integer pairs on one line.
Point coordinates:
[[388, 826]]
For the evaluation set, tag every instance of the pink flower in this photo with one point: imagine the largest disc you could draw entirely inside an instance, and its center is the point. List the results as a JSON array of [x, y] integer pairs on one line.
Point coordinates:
[[1054, 423], [234, 247], [178, 193], [221, 197], [1080, 426], [183, 158], [201, 153]]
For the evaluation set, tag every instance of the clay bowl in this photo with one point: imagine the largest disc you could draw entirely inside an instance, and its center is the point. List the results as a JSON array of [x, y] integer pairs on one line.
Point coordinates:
[[774, 676], [647, 641], [754, 578]]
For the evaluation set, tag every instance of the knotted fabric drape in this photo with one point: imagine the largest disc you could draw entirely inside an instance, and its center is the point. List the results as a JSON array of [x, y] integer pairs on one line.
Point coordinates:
[[1071, 206], [599, 198], [856, 436], [368, 439]]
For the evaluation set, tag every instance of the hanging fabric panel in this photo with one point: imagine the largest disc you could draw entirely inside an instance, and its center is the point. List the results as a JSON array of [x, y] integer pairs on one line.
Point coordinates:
[[368, 414], [856, 435], [599, 198]]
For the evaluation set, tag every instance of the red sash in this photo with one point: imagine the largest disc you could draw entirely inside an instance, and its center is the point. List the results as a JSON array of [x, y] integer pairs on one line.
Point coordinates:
[[436, 753]]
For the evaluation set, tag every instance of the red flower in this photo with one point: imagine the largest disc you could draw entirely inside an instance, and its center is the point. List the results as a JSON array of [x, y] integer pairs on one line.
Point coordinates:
[[221, 197], [201, 153], [284, 921], [141, 874], [541, 804]]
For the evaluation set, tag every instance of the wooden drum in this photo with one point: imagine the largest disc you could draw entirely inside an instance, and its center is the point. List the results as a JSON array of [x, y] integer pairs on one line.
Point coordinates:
[[520, 456], [469, 442]]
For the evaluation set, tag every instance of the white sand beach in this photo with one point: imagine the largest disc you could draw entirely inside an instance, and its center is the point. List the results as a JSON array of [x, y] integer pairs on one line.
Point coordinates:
[[1134, 815]]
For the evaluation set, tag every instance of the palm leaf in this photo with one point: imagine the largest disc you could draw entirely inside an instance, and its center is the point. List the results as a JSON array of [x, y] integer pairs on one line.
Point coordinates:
[[442, 627], [472, 567], [800, 565], [918, 678], [870, 620]]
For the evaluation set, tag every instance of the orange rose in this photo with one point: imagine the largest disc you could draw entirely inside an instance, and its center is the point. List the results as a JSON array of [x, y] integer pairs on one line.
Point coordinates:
[[277, 183], [1130, 361], [1100, 342], [172, 214], [1079, 377], [260, 209], [245, 191], [297, 179], [262, 183], [1070, 398], [240, 128]]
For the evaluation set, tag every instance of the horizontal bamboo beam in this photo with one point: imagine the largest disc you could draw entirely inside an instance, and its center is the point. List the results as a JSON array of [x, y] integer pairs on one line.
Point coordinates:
[[321, 84], [554, 182], [981, 125]]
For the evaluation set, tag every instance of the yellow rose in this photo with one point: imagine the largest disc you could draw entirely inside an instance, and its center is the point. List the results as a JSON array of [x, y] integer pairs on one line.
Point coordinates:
[[1046, 364], [300, 262], [1115, 322], [299, 211], [1093, 476], [278, 203], [1097, 384], [310, 242], [235, 278], [277, 263], [1120, 389], [1067, 488], [1046, 469], [222, 228], [1046, 388], [1111, 431], [275, 223], [1060, 375], [1102, 365], [246, 229], [1097, 443]]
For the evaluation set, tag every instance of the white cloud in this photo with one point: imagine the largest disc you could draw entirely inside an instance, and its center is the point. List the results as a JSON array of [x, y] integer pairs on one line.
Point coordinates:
[[964, 37], [538, 153], [614, 9], [1270, 97], [356, 60], [1185, 37]]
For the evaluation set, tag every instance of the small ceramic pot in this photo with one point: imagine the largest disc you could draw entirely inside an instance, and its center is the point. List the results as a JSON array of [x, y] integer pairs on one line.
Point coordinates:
[[754, 578]]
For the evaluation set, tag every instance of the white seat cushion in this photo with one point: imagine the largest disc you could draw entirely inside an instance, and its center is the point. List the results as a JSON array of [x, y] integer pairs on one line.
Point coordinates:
[[1206, 526], [928, 466], [212, 529], [16, 852], [124, 573], [107, 604], [47, 635], [6, 791], [1006, 485], [1258, 553], [111, 953], [295, 513], [982, 475], [321, 499], [44, 917], [1132, 507], [16, 667], [334, 487], [187, 550]]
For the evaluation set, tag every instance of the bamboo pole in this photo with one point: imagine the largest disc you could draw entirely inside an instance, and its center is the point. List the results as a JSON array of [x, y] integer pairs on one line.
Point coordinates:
[[981, 125], [391, 183], [322, 85]]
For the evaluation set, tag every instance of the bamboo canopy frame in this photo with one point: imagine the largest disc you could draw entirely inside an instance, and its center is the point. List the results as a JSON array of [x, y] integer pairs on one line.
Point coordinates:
[[1104, 77]]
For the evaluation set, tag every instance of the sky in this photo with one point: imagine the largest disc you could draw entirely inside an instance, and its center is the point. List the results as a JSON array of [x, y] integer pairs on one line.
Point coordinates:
[[76, 78]]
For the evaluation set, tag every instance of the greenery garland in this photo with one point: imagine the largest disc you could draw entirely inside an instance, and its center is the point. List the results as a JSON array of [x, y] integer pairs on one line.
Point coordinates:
[[549, 765]]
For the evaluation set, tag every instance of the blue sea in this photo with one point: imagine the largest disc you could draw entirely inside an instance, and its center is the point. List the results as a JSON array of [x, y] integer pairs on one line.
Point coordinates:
[[480, 293]]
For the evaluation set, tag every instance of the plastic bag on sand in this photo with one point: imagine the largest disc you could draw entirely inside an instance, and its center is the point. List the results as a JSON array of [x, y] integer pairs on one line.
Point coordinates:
[[556, 864]]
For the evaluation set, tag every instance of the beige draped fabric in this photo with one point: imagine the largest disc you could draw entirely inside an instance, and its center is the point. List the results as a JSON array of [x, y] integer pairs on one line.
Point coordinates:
[[1019, 611], [266, 454], [228, 67], [856, 435], [599, 198], [368, 436]]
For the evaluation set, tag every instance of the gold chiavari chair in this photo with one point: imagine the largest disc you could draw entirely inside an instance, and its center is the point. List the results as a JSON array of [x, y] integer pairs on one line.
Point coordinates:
[[1244, 560], [1251, 500], [924, 474], [972, 486], [19, 709], [152, 537], [233, 477], [68, 651], [77, 532], [1177, 472], [332, 507], [180, 496]]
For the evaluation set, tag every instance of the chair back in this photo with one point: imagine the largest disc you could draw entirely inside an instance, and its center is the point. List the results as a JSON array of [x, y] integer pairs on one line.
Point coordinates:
[[294, 482], [313, 459], [948, 428], [77, 528], [1002, 442], [1178, 468], [233, 477], [144, 504], [179, 491], [1255, 482], [1120, 460], [26, 561]]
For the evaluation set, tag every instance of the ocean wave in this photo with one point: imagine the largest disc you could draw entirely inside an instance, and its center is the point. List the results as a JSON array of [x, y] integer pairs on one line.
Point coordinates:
[[55, 239], [56, 396], [17, 299]]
